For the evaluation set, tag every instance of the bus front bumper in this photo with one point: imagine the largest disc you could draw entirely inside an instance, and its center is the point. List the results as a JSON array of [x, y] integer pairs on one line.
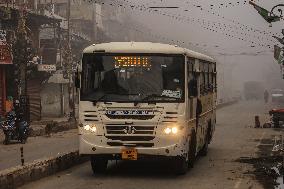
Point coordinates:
[[171, 148]]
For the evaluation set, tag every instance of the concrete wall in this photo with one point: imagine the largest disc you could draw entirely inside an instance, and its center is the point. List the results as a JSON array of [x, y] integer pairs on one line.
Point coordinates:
[[51, 100]]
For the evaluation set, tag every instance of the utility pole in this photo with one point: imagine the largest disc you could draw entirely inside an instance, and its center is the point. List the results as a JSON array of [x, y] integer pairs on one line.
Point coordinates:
[[22, 37], [69, 65], [271, 16], [21, 55], [94, 22], [68, 21]]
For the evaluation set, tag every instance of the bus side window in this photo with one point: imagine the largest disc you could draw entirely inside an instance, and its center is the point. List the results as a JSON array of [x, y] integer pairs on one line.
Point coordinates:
[[192, 80], [210, 73], [202, 78], [206, 77], [214, 77], [215, 82]]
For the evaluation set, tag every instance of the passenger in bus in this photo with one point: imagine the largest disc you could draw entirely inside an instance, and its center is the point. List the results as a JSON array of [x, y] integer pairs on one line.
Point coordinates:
[[172, 79], [110, 83]]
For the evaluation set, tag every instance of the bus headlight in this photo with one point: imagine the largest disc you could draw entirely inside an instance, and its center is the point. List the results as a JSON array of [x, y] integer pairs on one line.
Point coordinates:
[[171, 130], [168, 130], [174, 130], [91, 128]]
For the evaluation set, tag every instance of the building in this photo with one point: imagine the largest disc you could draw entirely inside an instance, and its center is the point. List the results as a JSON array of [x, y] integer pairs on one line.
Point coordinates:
[[49, 91], [9, 20]]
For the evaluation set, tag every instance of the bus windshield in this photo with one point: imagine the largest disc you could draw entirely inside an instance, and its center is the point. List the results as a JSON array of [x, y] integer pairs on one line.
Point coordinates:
[[132, 78]]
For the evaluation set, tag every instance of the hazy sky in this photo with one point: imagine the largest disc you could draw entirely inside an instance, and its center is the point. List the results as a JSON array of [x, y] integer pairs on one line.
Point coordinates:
[[240, 22], [233, 33], [193, 30]]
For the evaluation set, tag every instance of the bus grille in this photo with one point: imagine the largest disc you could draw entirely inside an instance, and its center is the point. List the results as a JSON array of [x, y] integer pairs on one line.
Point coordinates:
[[135, 117], [130, 132]]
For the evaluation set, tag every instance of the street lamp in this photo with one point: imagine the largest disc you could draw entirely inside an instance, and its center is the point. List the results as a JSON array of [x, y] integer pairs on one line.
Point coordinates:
[[269, 16], [280, 11], [274, 15]]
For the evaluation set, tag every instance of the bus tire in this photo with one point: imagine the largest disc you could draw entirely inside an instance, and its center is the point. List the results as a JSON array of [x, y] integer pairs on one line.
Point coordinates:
[[99, 165], [192, 150], [181, 165]]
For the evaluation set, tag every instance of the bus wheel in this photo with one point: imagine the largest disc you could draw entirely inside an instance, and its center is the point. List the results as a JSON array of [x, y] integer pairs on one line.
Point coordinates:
[[99, 165], [192, 150], [181, 165], [204, 150]]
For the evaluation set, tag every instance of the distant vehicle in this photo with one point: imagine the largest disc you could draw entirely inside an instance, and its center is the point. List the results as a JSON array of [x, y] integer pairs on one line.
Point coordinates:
[[277, 95], [253, 90], [145, 100], [277, 117], [237, 95]]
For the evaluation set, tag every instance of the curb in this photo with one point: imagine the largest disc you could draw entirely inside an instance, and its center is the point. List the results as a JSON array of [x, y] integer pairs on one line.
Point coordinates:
[[226, 104], [20, 175], [55, 128]]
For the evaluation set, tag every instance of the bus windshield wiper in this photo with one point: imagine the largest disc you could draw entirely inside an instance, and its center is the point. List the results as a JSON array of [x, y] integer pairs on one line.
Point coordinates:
[[106, 94], [157, 96], [102, 97]]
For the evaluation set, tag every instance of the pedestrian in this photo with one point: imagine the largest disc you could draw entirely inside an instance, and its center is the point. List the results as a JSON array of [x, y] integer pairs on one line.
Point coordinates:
[[266, 95], [9, 104]]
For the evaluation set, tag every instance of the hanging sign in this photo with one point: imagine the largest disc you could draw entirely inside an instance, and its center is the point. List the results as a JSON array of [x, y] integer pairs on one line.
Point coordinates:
[[46, 67]]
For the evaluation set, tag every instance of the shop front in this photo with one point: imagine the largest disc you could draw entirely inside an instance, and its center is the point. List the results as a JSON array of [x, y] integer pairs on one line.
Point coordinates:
[[6, 68]]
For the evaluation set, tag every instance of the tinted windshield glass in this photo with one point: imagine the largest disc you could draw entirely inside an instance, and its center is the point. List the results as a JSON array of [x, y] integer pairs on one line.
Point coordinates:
[[124, 78]]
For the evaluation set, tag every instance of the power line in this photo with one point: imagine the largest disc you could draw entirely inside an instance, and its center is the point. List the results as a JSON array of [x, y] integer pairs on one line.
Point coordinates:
[[211, 28], [171, 41], [238, 25]]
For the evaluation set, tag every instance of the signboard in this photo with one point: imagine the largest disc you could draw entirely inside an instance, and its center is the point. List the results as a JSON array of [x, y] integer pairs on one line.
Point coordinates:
[[46, 68], [5, 53], [130, 112], [132, 61]]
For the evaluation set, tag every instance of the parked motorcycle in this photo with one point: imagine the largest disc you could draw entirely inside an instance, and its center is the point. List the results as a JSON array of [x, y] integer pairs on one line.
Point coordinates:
[[12, 132]]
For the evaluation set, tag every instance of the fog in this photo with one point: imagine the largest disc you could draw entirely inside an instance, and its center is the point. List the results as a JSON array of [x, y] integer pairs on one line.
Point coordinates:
[[226, 32], [230, 31]]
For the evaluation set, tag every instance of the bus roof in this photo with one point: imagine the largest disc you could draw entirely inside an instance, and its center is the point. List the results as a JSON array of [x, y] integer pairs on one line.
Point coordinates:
[[144, 47]]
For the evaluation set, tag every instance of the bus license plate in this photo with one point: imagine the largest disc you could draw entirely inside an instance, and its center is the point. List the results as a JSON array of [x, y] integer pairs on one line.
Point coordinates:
[[129, 154]]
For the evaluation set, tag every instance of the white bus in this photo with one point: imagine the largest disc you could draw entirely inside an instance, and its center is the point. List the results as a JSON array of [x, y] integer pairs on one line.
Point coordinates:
[[145, 100]]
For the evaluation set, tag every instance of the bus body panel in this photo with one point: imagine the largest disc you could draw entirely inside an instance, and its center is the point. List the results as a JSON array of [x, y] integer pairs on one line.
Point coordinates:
[[146, 133]]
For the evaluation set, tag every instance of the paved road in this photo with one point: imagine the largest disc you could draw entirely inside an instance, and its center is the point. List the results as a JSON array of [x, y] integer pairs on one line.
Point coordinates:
[[37, 148], [234, 138]]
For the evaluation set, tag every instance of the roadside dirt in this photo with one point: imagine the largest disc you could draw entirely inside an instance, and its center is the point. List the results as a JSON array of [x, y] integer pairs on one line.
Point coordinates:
[[268, 169]]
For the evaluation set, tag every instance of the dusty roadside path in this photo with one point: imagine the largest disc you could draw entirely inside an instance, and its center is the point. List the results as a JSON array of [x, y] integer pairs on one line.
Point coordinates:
[[37, 148]]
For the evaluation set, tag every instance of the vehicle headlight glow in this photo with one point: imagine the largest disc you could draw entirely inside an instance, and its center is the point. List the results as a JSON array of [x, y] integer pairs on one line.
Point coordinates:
[[174, 130], [171, 130], [167, 130], [91, 128]]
